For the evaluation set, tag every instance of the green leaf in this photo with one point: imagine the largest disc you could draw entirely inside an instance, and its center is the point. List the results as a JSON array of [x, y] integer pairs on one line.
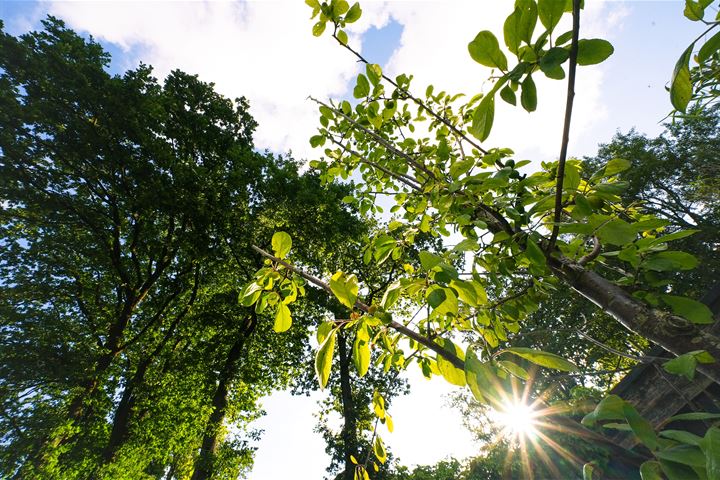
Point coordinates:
[[281, 244], [379, 449], [616, 165], [483, 118], [670, 260], [470, 292], [535, 254], [342, 37], [429, 260], [710, 446], [640, 427], [681, 436], [709, 48], [680, 83], [552, 60], [319, 28], [528, 94], [466, 245], [480, 378], [674, 236], [362, 88], [485, 50], [682, 365], [340, 7], [651, 470], [609, 408], [694, 416], [514, 369], [449, 371], [593, 51], [691, 309], [345, 288], [684, 454], [361, 355], [353, 14], [550, 12], [374, 73], [588, 471], [616, 232], [283, 319], [677, 471], [519, 26], [391, 295], [323, 359], [508, 95], [544, 359]]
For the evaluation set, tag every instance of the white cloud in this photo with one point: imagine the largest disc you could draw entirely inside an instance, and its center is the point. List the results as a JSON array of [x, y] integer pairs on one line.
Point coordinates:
[[262, 49], [433, 47]]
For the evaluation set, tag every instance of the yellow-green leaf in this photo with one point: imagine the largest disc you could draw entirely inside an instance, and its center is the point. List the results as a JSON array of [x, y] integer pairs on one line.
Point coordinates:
[[323, 359], [544, 359], [283, 319], [345, 288], [281, 244]]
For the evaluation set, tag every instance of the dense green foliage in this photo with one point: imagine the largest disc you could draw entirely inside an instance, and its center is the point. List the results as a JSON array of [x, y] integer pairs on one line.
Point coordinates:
[[128, 211]]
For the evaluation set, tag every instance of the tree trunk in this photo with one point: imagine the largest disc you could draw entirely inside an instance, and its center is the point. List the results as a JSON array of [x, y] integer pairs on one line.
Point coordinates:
[[205, 463], [349, 430]]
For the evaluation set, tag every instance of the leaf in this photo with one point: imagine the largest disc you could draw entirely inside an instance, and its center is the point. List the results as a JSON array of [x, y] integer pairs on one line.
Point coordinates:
[[544, 359], [342, 37], [345, 288], [709, 48], [281, 244], [483, 118], [680, 83], [593, 51], [449, 371], [283, 319], [694, 416], [535, 254], [519, 25], [616, 232], [391, 295], [651, 470], [362, 88], [681, 436], [429, 260], [640, 427], [508, 95], [318, 28], [670, 260], [528, 94], [481, 378], [374, 73], [379, 449], [616, 165], [485, 50], [466, 245], [470, 292], [684, 454], [674, 236], [677, 471], [361, 355], [609, 408], [552, 59], [550, 12], [682, 365], [353, 14], [323, 359], [588, 471], [691, 309], [514, 369], [710, 446]]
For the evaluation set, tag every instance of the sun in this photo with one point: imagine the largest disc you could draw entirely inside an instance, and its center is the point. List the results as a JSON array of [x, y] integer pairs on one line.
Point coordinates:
[[518, 420]]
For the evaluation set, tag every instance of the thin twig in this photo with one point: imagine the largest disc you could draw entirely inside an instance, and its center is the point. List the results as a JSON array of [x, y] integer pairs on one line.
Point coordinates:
[[566, 127]]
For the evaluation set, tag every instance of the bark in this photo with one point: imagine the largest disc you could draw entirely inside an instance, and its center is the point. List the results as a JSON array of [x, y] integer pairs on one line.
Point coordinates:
[[205, 464], [675, 334], [349, 430]]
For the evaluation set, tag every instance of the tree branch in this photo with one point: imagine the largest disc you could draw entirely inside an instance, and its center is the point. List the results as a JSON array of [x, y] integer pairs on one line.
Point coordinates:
[[566, 127]]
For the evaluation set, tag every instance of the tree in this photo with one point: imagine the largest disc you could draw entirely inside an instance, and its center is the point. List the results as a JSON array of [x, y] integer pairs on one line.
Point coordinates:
[[549, 230], [128, 211]]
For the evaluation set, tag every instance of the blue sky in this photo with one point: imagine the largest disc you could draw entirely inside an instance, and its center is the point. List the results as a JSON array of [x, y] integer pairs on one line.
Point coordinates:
[[264, 50]]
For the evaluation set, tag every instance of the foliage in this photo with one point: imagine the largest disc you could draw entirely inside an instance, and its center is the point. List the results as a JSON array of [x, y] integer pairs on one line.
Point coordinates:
[[128, 208], [566, 226]]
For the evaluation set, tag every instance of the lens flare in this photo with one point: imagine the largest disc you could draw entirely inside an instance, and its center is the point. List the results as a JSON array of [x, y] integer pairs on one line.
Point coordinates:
[[518, 420]]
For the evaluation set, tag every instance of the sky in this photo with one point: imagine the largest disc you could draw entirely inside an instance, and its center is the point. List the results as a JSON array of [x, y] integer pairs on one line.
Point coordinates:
[[264, 50]]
